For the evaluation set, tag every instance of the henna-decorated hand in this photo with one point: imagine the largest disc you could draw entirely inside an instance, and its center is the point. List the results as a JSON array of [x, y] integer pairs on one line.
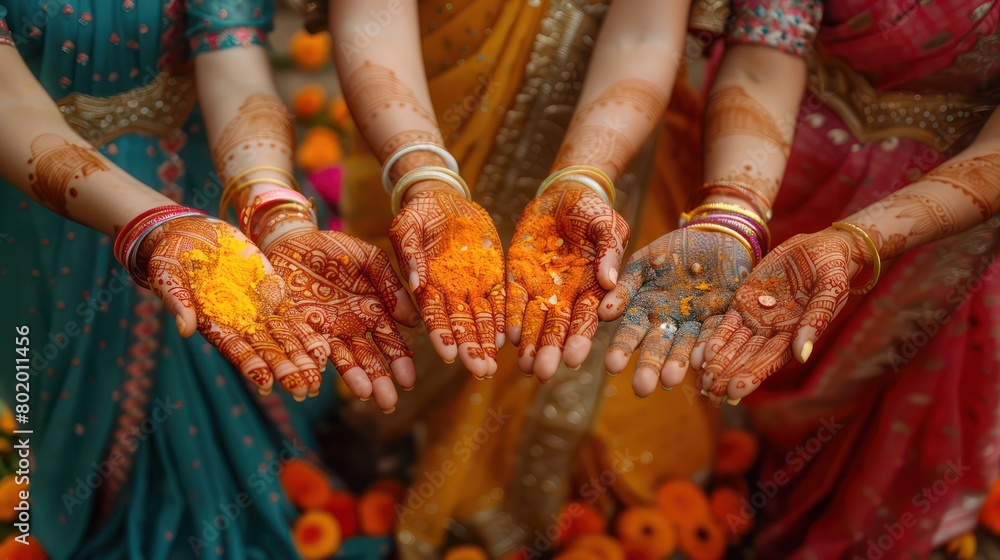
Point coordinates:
[[783, 307], [673, 292], [449, 251], [347, 290], [205, 269], [565, 255]]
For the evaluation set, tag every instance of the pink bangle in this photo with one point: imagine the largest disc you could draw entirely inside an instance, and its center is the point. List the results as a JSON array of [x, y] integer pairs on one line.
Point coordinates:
[[740, 228], [273, 198]]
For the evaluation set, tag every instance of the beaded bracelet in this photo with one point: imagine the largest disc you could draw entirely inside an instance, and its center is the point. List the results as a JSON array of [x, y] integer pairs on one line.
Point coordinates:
[[876, 259], [130, 238], [444, 154], [426, 173], [586, 175]]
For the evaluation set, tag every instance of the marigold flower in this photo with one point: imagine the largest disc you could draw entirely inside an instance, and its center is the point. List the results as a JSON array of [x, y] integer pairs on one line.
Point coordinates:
[[343, 506], [7, 423], [989, 515], [602, 547], [339, 113], [308, 101], [465, 552], [727, 508], [962, 547], [376, 511], [13, 550], [682, 500], [736, 452], [583, 519], [319, 149], [10, 496], [316, 535], [305, 485], [702, 539], [310, 52], [646, 530]]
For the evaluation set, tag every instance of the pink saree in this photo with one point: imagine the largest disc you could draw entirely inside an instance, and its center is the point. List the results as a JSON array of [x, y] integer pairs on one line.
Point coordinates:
[[884, 445]]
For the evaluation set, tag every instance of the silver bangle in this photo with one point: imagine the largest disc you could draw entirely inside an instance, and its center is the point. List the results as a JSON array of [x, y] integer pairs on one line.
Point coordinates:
[[449, 160]]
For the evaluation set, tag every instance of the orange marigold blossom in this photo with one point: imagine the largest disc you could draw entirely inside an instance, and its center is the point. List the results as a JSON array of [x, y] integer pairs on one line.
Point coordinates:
[[305, 484], [11, 549], [989, 514], [727, 508], [681, 500], [343, 506], [646, 530], [735, 452], [602, 546], [465, 552], [390, 486], [316, 535], [582, 519], [702, 539], [310, 52], [376, 512], [319, 149], [10, 497], [7, 423], [308, 101], [339, 113]]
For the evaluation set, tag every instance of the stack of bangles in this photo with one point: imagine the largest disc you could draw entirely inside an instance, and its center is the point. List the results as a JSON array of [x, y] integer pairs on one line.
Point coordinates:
[[735, 189], [261, 215], [131, 237], [448, 175], [746, 226], [586, 175]]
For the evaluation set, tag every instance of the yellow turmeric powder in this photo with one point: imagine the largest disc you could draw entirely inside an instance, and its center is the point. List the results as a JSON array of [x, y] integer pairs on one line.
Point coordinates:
[[468, 259], [224, 282], [549, 267]]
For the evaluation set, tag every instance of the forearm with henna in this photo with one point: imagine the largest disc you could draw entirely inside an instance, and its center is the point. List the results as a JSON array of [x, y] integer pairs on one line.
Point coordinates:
[[42, 156]]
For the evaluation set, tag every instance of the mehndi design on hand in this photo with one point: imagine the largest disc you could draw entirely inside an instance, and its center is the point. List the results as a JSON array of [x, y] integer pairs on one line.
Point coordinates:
[[565, 254], [673, 292], [207, 268], [347, 290], [450, 253], [785, 304]]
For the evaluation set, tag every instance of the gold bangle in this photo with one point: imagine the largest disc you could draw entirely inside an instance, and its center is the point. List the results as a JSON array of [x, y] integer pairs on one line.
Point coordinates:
[[750, 192], [727, 231], [426, 173], [230, 192], [602, 179], [726, 207], [294, 183], [876, 259]]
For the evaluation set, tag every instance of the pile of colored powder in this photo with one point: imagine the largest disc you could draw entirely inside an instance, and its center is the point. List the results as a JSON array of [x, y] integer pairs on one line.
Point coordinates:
[[468, 253], [224, 282], [548, 265]]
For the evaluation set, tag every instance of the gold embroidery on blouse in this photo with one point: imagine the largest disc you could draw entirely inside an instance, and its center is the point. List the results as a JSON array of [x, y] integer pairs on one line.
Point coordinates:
[[153, 110], [981, 11], [935, 119], [709, 15]]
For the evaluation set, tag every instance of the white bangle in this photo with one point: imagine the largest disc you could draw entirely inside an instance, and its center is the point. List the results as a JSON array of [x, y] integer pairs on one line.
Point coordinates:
[[590, 177], [449, 160], [423, 174]]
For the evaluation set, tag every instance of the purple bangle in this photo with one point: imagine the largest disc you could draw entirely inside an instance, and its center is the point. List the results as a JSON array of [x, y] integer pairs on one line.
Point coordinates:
[[761, 233], [740, 228]]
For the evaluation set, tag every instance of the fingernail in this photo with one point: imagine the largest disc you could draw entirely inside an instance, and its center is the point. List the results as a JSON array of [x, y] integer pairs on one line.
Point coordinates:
[[704, 392], [490, 376], [611, 374], [719, 405], [577, 368], [807, 350], [314, 394], [323, 369], [390, 411], [407, 389], [703, 364], [613, 275], [299, 398], [667, 388], [414, 281], [449, 362], [180, 324], [263, 392], [734, 402], [364, 399]]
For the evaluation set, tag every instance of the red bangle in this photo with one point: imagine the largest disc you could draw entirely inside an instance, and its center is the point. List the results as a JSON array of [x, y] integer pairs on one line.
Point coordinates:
[[129, 238], [273, 198]]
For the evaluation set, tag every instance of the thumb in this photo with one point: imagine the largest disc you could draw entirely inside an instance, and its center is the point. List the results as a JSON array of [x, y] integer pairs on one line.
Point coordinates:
[[820, 312], [407, 240], [166, 281], [610, 236]]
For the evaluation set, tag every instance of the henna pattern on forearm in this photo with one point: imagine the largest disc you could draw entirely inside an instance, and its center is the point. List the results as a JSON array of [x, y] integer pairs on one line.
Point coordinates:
[[57, 163], [730, 110], [606, 145], [374, 91], [752, 177], [978, 178], [263, 123]]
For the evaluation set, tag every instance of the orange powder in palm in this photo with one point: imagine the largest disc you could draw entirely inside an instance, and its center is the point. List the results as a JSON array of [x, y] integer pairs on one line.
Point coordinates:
[[466, 254], [548, 265], [225, 283]]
